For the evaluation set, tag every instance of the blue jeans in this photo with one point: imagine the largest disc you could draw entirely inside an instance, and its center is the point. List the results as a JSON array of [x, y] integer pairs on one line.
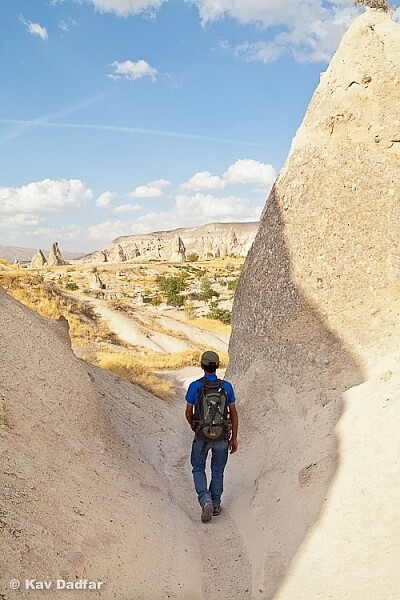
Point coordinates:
[[219, 458]]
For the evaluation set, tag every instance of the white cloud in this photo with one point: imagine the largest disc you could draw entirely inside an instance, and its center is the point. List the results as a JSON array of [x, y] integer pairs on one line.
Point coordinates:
[[153, 189], [310, 31], [105, 199], [243, 171], [66, 26], [206, 208], [260, 51], [18, 221], [133, 70], [127, 208], [108, 230], [123, 8], [204, 181], [266, 12], [62, 233], [35, 28], [47, 196], [248, 171]]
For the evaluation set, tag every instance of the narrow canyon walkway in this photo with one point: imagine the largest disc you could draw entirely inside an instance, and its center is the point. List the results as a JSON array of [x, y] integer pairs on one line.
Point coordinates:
[[224, 562], [217, 547], [215, 550]]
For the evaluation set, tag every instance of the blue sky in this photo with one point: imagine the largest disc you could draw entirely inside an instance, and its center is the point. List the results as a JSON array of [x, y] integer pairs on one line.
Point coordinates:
[[128, 116]]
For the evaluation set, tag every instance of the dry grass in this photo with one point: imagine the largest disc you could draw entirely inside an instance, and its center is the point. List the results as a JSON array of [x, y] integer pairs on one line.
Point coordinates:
[[49, 301], [136, 370], [210, 325], [94, 341], [177, 360]]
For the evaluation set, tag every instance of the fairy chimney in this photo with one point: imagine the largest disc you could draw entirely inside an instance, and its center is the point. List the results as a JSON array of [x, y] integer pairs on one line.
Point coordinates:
[[55, 257], [313, 299], [38, 260]]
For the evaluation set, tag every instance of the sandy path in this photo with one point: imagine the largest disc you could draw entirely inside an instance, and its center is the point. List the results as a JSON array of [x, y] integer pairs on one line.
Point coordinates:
[[131, 332], [225, 565], [216, 340]]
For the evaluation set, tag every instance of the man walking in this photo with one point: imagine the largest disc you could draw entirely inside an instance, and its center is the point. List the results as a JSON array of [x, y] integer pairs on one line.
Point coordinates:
[[211, 411]]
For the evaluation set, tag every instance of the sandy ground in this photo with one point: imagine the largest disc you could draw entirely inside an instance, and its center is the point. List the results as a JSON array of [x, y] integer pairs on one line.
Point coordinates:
[[96, 482], [138, 331]]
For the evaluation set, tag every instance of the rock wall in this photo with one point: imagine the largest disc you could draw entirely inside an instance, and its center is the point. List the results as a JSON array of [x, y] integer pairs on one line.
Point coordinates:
[[313, 304], [78, 500]]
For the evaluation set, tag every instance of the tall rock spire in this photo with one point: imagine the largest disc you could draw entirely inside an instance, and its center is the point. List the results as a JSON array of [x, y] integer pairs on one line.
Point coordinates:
[[336, 200], [55, 256], [308, 315]]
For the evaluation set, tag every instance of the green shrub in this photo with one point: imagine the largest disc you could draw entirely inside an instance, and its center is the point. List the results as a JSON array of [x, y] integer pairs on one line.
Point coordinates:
[[232, 284], [206, 290], [219, 314], [171, 286]]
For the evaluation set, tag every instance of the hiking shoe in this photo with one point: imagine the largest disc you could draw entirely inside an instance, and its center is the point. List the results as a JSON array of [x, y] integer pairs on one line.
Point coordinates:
[[217, 510], [207, 511]]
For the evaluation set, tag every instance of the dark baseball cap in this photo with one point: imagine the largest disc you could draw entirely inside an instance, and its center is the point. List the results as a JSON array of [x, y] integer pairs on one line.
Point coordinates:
[[209, 358]]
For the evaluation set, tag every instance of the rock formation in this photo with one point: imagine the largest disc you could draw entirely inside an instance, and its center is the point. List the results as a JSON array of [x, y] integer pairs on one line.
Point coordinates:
[[75, 488], [177, 250], [38, 260], [116, 254], [99, 256], [214, 239], [95, 282], [55, 259], [312, 318]]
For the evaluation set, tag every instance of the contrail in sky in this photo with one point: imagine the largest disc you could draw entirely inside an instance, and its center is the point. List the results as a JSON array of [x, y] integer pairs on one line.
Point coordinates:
[[24, 126], [45, 122]]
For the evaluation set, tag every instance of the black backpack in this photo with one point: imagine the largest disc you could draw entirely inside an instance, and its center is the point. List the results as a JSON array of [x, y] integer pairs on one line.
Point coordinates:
[[211, 413]]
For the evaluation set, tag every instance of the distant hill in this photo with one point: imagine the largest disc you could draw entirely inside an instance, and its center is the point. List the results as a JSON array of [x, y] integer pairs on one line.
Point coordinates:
[[12, 253], [212, 239]]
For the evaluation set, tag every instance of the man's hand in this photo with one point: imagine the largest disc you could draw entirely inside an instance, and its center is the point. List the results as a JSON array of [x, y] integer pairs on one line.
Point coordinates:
[[233, 445]]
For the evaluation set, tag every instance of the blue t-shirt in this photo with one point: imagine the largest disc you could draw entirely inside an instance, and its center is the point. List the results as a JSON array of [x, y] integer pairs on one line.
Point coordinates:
[[192, 395]]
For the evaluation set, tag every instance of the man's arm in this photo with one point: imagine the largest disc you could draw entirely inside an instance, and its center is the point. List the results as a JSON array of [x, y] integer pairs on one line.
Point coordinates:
[[189, 414], [233, 444]]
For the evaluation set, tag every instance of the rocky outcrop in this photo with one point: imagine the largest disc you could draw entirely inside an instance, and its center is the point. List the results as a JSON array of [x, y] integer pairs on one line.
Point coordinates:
[[116, 254], [312, 318], [55, 259], [98, 257], [214, 239], [177, 250], [95, 282], [65, 462], [38, 260]]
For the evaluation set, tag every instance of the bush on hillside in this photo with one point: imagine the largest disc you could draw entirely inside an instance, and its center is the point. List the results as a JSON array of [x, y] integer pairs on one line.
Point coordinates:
[[171, 286], [378, 4]]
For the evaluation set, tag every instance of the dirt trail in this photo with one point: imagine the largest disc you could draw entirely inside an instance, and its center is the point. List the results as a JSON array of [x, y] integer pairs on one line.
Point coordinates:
[[137, 334], [138, 331], [215, 549], [225, 565]]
